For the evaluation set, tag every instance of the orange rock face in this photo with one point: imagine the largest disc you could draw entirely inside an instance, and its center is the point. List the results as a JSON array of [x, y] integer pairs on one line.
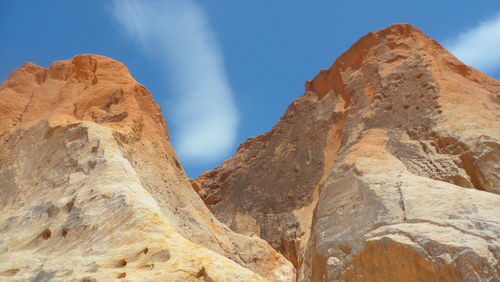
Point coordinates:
[[92, 189], [88, 87], [386, 169]]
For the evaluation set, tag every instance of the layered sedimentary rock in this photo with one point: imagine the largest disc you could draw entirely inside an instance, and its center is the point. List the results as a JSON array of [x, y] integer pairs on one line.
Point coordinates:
[[91, 189], [386, 169]]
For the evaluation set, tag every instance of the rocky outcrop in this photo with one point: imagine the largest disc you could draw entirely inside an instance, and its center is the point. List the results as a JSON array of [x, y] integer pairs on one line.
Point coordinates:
[[386, 169], [91, 189]]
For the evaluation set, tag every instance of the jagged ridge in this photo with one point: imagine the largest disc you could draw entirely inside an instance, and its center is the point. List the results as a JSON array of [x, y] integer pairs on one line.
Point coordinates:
[[395, 115]]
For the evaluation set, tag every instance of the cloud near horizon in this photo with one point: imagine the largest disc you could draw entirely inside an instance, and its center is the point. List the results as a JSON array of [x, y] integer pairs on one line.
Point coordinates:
[[479, 46], [178, 34]]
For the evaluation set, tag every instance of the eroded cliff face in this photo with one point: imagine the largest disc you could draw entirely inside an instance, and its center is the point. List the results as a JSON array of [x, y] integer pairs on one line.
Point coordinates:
[[91, 189], [386, 169]]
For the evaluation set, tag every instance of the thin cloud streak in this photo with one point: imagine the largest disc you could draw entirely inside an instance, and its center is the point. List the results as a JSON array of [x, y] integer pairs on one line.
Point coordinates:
[[478, 46], [178, 34]]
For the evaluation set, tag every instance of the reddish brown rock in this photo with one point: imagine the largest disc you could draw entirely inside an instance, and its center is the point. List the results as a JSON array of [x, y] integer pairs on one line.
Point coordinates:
[[386, 169]]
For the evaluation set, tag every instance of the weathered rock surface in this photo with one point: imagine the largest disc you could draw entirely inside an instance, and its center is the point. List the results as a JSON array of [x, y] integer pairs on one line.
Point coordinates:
[[386, 169], [91, 189]]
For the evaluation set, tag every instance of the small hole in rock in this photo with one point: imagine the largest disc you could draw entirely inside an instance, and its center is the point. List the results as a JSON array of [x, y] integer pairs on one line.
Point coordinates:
[[92, 164], [121, 263], [145, 251], [388, 108], [121, 275], [201, 272], [10, 272], [177, 164], [406, 107], [417, 108], [50, 211], [439, 111], [46, 234], [64, 231], [70, 206]]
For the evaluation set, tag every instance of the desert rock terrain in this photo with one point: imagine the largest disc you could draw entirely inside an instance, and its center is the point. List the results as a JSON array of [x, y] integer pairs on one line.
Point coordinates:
[[91, 188], [387, 168]]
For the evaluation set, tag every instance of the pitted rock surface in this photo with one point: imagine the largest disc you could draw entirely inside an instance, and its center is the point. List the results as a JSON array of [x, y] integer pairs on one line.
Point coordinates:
[[91, 189], [385, 169]]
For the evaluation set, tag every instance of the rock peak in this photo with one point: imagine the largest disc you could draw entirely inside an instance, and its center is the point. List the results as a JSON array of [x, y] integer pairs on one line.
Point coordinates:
[[96, 88], [391, 152], [372, 161], [386, 46], [82, 144], [401, 29], [371, 46]]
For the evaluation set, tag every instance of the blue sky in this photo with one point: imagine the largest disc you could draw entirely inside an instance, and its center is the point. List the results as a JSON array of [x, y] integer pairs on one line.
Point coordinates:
[[226, 70]]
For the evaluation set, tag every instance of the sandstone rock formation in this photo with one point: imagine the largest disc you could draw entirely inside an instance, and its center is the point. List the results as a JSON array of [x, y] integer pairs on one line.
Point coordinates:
[[91, 189], [386, 169]]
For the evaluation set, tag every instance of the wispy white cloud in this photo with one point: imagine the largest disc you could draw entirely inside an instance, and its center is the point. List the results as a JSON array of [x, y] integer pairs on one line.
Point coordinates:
[[177, 33], [479, 46]]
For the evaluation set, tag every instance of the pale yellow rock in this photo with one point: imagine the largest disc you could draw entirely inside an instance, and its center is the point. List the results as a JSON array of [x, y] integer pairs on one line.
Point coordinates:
[[390, 225], [90, 187], [90, 217]]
